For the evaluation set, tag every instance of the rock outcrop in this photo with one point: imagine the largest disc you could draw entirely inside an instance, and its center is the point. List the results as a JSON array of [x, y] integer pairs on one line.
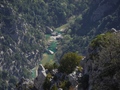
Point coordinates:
[[21, 44], [36, 84], [49, 30], [17, 37], [101, 66], [24, 84], [73, 78], [39, 80]]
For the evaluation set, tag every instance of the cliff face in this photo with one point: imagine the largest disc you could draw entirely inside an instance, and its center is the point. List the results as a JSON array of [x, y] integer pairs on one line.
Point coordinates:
[[102, 63], [21, 44], [22, 33], [103, 8], [100, 16], [97, 18], [22, 27]]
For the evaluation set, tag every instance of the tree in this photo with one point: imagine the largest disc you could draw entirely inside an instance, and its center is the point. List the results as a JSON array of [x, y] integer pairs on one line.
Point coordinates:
[[54, 87], [69, 62]]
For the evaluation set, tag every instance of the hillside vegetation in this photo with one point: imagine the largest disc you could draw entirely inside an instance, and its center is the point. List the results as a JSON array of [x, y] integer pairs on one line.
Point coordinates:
[[24, 39], [98, 17], [22, 33], [102, 63]]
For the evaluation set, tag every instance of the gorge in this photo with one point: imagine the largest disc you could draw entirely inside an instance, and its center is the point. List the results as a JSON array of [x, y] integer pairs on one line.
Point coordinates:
[[34, 32]]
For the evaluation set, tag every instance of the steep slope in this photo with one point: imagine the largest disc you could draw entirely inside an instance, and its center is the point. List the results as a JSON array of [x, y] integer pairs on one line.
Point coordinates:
[[101, 66], [98, 17], [21, 45], [101, 15], [22, 27]]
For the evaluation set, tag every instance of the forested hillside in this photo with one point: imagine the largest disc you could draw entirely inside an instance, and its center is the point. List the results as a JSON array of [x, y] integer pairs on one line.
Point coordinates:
[[98, 17], [101, 66], [22, 33], [24, 27]]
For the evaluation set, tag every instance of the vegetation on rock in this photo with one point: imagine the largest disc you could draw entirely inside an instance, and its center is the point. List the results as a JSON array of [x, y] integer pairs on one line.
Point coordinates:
[[103, 62], [23, 25]]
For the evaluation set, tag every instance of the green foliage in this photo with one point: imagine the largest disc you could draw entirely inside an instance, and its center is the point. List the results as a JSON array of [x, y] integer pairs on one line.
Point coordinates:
[[47, 83], [36, 14], [80, 69], [50, 67], [54, 87], [65, 85], [107, 58], [88, 25], [25, 73], [101, 40], [51, 13], [69, 62], [23, 25], [55, 65], [7, 80], [62, 84], [105, 42]]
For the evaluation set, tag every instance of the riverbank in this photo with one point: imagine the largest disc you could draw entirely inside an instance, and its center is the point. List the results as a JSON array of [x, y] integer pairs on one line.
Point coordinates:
[[51, 48]]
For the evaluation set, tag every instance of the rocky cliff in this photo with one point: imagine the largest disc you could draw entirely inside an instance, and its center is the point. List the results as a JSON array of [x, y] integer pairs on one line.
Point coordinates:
[[97, 18], [103, 8], [22, 39], [21, 44], [51, 80], [101, 66]]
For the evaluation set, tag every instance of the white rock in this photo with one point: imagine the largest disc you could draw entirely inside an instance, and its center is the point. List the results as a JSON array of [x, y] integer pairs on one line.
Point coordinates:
[[39, 80], [60, 89], [73, 79]]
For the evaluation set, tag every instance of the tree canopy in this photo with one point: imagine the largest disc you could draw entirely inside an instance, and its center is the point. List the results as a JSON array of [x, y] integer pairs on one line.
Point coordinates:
[[69, 62]]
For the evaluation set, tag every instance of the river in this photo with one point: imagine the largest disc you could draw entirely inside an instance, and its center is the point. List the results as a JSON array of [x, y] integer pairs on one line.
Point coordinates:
[[48, 56]]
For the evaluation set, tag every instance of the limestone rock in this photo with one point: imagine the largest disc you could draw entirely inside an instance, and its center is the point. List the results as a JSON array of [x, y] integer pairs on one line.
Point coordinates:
[[49, 30], [39, 80], [60, 89], [113, 30], [24, 84], [73, 80]]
